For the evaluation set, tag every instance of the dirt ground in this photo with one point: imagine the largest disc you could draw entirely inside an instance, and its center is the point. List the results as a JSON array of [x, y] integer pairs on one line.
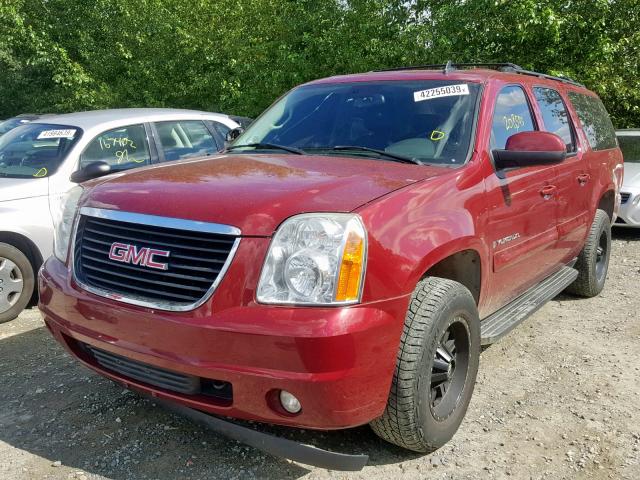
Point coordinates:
[[559, 398]]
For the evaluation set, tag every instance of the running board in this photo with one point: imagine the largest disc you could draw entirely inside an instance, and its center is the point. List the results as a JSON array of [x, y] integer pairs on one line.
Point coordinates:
[[498, 324]]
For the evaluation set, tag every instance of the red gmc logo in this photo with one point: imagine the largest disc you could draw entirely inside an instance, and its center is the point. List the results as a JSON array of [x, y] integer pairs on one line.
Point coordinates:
[[125, 253]]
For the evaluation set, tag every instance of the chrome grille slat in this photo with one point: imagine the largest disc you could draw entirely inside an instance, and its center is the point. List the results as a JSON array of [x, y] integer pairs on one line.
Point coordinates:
[[143, 280], [174, 265], [169, 235], [155, 243], [120, 291], [198, 258], [139, 269]]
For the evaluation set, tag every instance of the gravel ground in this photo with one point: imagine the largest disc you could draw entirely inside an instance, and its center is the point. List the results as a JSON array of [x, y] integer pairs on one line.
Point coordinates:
[[557, 398]]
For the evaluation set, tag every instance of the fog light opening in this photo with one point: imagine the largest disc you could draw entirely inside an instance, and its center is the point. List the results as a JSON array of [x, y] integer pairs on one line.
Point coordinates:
[[289, 402]]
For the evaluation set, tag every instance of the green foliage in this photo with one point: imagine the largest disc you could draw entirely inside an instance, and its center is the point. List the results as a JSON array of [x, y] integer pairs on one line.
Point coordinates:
[[239, 55]]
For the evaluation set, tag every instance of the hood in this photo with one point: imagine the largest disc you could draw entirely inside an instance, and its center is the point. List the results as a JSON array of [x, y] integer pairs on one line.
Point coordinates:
[[19, 188], [254, 192], [631, 175]]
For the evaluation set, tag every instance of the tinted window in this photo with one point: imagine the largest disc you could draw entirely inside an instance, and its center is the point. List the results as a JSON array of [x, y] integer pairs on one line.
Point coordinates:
[[185, 139], [555, 115], [122, 148], [595, 121], [511, 115], [630, 146], [35, 149], [429, 120], [220, 128], [11, 124]]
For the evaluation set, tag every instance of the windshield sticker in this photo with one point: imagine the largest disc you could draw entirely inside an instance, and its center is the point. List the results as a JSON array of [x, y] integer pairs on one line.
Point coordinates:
[[513, 122], [69, 133], [121, 142], [439, 92], [41, 173], [437, 135]]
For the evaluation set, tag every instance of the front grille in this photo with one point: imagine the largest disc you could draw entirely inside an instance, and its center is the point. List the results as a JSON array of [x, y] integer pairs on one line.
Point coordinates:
[[158, 377], [625, 197], [195, 261]]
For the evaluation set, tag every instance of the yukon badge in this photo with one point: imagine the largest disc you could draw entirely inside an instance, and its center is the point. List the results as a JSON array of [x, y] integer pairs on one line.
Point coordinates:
[[125, 253], [505, 240]]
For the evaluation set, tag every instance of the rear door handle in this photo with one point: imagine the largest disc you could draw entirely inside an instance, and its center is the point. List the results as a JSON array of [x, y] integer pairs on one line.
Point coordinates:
[[583, 179], [548, 191]]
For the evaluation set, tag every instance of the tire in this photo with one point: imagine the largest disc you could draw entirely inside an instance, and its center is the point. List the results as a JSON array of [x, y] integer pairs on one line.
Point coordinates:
[[17, 281], [593, 261], [418, 415]]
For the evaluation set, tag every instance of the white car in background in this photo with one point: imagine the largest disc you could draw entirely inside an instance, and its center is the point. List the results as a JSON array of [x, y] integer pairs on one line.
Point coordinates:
[[41, 160], [629, 215]]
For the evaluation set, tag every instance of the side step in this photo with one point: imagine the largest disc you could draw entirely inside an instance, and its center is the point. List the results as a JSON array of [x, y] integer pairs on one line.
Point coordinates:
[[498, 324]]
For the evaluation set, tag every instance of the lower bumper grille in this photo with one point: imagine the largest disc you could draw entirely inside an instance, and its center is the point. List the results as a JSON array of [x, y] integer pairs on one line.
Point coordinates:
[[159, 377], [625, 197]]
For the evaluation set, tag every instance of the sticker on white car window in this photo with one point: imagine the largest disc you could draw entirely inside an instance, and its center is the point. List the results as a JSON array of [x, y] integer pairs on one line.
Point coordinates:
[[69, 133], [439, 92]]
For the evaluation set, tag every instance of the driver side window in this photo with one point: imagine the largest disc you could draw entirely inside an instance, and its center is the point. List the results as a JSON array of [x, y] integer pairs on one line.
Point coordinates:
[[122, 148], [511, 115]]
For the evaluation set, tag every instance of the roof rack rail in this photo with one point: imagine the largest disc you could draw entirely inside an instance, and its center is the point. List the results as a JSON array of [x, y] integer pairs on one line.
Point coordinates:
[[503, 67]]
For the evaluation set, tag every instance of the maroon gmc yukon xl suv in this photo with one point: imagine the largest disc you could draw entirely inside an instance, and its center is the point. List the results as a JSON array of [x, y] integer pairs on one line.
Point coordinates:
[[346, 258]]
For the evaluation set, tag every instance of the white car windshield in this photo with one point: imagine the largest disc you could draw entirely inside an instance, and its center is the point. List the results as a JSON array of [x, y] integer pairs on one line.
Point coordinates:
[[425, 121], [35, 150]]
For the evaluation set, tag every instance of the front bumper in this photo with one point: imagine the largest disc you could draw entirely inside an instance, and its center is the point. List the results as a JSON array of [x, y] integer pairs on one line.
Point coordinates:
[[629, 214], [338, 362]]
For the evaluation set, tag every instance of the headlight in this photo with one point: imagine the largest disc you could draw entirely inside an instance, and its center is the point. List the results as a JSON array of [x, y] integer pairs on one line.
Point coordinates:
[[63, 222], [315, 258]]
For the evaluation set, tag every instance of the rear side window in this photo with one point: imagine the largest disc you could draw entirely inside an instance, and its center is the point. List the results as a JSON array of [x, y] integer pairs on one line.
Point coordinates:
[[511, 115], [187, 138], [595, 121], [122, 148], [555, 115]]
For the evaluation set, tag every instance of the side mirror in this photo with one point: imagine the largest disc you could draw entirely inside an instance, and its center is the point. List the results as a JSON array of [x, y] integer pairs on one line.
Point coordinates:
[[526, 149], [93, 170], [233, 134]]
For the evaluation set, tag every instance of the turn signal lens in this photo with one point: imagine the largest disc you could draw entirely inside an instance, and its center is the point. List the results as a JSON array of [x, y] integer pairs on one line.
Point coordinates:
[[348, 287]]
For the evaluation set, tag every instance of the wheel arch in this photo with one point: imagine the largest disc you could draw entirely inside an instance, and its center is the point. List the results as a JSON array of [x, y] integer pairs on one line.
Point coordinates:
[[607, 203], [463, 266]]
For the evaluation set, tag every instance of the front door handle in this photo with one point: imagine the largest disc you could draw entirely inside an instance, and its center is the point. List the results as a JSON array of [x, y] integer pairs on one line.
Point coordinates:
[[548, 191], [583, 179]]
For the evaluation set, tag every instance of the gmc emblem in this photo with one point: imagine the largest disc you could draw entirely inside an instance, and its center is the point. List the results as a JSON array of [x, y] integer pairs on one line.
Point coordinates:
[[125, 253]]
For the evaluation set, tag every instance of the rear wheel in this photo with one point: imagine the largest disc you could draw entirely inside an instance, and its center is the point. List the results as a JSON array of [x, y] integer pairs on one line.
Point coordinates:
[[593, 261], [436, 367], [16, 282]]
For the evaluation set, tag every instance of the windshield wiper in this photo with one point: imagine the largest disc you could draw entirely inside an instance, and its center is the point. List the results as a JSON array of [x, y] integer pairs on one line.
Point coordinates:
[[269, 146], [382, 153]]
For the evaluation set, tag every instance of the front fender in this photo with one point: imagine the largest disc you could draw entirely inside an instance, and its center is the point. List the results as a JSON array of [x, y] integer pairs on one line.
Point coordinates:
[[414, 228], [30, 218]]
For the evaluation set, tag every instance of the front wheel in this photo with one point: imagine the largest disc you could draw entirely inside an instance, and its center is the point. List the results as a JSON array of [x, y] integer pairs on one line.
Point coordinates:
[[436, 367], [17, 282]]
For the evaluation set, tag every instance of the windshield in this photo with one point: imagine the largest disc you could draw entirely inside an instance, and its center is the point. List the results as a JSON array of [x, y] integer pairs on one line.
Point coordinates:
[[630, 146], [430, 121], [10, 124], [35, 150]]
